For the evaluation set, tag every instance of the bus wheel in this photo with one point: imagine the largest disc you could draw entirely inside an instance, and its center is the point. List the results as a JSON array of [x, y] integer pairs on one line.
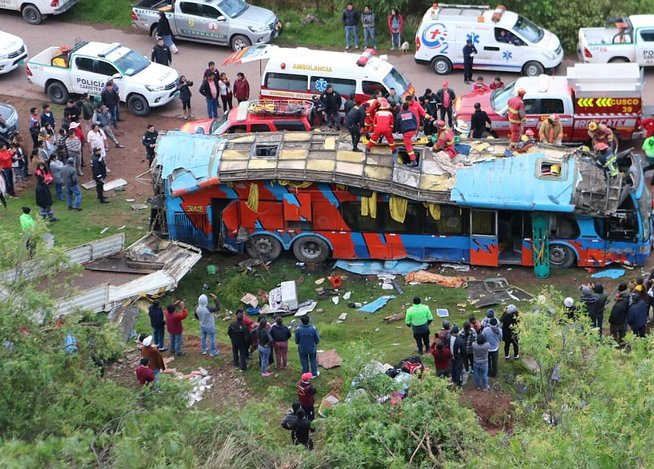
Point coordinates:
[[264, 247], [561, 257], [311, 249]]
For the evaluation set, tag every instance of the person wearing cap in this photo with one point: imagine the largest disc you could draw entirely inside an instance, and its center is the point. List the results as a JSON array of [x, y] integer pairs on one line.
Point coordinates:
[[71, 182], [99, 170], [458, 349], [490, 313], [479, 86], [601, 133], [480, 123], [516, 115], [418, 317], [144, 374], [570, 309], [526, 142], [493, 335], [306, 395], [444, 140], [445, 101], [150, 351], [618, 316], [307, 339], [382, 126], [638, 311], [509, 322], [469, 52], [550, 130]]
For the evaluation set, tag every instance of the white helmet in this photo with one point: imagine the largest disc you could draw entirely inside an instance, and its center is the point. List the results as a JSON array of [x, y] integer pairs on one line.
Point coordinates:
[[568, 302]]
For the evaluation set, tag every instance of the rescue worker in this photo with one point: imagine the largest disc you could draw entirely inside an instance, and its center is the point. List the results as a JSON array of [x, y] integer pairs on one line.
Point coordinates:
[[406, 123], [526, 141], [354, 121], [371, 109], [444, 139], [418, 111], [551, 130], [606, 158], [382, 126], [516, 115], [601, 133]]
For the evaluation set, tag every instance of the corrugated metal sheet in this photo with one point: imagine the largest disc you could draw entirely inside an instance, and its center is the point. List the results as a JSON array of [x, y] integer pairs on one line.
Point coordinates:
[[511, 183], [97, 249], [181, 152], [94, 299], [150, 284]]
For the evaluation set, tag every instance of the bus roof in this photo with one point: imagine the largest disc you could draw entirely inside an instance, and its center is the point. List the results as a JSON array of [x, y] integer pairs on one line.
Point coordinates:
[[548, 178]]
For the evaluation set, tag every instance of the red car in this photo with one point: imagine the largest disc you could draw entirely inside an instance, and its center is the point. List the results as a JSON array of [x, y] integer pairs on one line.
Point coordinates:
[[256, 116]]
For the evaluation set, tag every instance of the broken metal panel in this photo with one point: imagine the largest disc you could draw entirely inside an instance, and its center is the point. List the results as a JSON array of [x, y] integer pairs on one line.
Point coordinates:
[[97, 249], [94, 299]]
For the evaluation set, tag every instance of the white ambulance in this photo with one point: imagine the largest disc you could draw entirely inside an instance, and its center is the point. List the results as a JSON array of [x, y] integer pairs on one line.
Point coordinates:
[[505, 41], [300, 73]]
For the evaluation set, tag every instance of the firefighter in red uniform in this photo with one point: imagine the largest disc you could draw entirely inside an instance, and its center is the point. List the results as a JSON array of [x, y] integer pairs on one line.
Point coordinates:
[[601, 133], [444, 139], [382, 126], [516, 115], [371, 110], [648, 126], [406, 123]]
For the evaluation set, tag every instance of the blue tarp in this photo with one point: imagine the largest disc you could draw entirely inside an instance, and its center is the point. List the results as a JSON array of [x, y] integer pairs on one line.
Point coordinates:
[[400, 267], [609, 273], [376, 305]]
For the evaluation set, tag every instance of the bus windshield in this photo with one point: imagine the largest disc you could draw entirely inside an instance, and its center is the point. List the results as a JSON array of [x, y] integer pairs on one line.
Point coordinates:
[[528, 30], [396, 80], [500, 98]]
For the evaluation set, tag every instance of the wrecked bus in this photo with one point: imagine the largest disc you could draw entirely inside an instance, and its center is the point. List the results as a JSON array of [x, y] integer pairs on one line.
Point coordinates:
[[307, 193]]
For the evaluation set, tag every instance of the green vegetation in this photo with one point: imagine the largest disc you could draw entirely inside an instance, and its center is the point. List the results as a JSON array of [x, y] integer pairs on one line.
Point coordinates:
[[115, 13]]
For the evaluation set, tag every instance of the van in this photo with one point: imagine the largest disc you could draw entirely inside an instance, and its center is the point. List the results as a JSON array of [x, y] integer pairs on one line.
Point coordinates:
[[300, 73], [505, 41]]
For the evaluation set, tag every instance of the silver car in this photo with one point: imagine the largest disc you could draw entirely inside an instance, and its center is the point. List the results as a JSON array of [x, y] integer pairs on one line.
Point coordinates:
[[10, 126]]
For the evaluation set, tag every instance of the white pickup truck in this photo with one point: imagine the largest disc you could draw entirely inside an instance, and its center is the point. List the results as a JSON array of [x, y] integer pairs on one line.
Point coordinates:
[[35, 11], [87, 66], [13, 52], [622, 39]]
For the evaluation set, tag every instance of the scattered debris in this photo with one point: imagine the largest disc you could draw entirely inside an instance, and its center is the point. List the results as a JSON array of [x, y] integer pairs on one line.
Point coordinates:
[[394, 317], [306, 308], [104, 230], [398, 267], [310, 19], [609, 273], [335, 281], [125, 317], [320, 281], [429, 277], [129, 201], [329, 359], [139, 207], [377, 304], [249, 264], [342, 317], [457, 267], [335, 299], [250, 300], [492, 291], [327, 402], [111, 185], [347, 295], [442, 313]]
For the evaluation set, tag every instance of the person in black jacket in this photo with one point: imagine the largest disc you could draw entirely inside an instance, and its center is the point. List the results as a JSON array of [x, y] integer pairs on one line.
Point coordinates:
[[332, 102], [161, 53], [301, 430], [445, 98], [240, 337], [184, 87], [354, 121], [480, 123], [509, 322], [158, 325], [469, 52], [99, 170], [149, 141], [596, 310], [164, 32], [109, 97], [280, 335], [458, 348], [618, 317]]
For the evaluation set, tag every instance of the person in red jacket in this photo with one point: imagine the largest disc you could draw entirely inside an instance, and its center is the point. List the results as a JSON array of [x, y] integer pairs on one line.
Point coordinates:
[[442, 357], [241, 88], [382, 126], [371, 110], [516, 115], [416, 108], [144, 374], [648, 126], [175, 327], [444, 139], [306, 395]]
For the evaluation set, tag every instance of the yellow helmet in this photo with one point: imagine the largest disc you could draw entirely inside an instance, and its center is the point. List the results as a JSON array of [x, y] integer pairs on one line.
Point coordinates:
[[592, 126]]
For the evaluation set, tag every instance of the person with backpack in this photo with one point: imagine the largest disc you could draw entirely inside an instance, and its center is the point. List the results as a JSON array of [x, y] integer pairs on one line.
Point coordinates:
[[470, 337], [264, 347], [158, 324], [493, 336], [239, 335], [306, 394], [307, 339], [301, 430], [509, 322], [280, 334], [289, 420]]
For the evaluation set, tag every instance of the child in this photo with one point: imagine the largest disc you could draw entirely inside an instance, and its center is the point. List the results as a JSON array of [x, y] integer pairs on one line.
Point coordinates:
[[144, 374], [306, 394], [184, 87]]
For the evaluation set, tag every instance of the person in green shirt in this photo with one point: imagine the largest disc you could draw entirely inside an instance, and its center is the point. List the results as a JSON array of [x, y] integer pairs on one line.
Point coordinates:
[[648, 148], [418, 318], [27, 226]]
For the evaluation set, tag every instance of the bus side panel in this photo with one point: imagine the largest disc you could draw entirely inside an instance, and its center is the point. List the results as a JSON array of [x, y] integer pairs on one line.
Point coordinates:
[[589, 253], [527, 252], [189, 219], [438, 248]]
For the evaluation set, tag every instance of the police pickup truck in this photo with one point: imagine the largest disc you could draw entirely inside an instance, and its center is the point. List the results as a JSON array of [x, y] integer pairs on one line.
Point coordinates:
[[35, 11], [87, 66], [231, 23]]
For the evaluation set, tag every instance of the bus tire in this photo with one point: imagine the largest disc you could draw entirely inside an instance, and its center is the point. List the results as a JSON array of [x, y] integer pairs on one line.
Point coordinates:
[[311, 249], [441, 65], [57, 92], [561, 256], [31, 14], [264, 247], [533, 69]]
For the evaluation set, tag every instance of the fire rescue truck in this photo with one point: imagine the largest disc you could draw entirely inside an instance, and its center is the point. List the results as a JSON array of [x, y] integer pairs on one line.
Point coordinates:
[[608, 93]]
